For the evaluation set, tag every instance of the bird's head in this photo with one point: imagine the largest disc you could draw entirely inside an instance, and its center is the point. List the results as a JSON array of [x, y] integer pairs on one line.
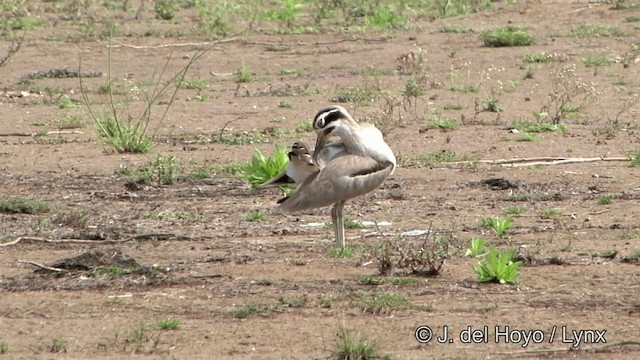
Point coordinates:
[[332, 120]]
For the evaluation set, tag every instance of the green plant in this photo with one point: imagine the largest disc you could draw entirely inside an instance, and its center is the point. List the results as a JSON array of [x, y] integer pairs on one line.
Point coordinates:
[[4, 347], [499, 226], [342, 252], [386, 16], [634, 159], [498, 266], [353, 224], [243, 74], [403, 280], [299, 262], [214, 18], [465, 89], [262, 169], [383, 303], [21, 205], [455, 28], [112, 270], [369, 280], [507, 36], [604, 200], [362, 95], [58, 345], [477, 247], [132, 135], [65, 102], [196, 83], [163, 169], [304, 126], [349, 348], [429, 159], [70, 122], [165, 9], [491, 104], [288, 12], [246, 310], [595, 30], [537, 127], [527, 137], [514, 211], [293, 300], [142, 339], [444, 124], [539, 57], [256, 215], [551, 212], [595, 61], [168, 324]]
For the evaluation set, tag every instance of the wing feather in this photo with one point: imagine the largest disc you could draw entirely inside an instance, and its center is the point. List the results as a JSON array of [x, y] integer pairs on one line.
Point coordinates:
[[343, 178]]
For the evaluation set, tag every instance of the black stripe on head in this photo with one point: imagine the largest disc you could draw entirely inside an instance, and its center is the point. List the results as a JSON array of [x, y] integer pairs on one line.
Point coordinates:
[[326, 116]]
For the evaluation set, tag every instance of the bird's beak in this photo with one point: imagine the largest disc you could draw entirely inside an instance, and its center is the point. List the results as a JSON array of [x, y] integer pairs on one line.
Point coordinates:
[[320, 142]]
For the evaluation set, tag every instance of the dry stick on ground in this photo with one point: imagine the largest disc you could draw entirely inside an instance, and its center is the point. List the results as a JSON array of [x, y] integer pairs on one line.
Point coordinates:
[[603, 348], [82, 241], [55, 132], [41, 266], [247, 42], [13, 49], [549, 160]]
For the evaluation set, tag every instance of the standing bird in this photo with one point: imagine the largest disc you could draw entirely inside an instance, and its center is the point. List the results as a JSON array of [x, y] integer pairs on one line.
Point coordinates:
[[359, 168]]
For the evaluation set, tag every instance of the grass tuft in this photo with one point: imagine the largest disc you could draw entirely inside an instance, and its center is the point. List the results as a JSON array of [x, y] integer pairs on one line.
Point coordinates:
[[21, 205], [507, 36]]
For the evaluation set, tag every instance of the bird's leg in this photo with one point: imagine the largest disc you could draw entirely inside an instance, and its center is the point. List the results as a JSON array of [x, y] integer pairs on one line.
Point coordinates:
[[337, 215]]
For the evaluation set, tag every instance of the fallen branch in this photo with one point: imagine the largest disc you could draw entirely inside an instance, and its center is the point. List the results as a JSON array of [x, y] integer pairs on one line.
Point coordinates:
[[53, 132], [533, 161], [41, 266], [163, 236], [247, 42], [206, 43], [602, 348], [567, 161]]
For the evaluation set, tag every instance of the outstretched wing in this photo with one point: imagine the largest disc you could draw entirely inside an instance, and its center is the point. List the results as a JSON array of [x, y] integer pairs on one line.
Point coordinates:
[[341, 179]]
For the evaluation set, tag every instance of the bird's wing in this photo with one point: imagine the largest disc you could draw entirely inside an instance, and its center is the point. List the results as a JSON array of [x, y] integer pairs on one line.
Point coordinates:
[[341, 179], [278, 180]]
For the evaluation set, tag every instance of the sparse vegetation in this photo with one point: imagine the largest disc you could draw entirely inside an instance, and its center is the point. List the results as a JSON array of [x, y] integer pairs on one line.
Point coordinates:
[[507, 36], [349, 348], [168, 324], [595, 30], [342, 252], [58, 345], [256, 215], [22, 205], [604, 200], [595, 61], [133, 135]]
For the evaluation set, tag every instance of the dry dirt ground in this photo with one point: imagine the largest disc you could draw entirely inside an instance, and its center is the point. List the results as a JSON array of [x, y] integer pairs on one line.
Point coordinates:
[[271, 289]]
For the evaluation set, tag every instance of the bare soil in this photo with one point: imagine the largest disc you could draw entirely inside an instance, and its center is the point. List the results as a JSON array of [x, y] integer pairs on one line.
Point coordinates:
[[202, 269]]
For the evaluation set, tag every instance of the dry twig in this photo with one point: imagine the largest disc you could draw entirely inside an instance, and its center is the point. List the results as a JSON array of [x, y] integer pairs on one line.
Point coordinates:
[[41, 266]]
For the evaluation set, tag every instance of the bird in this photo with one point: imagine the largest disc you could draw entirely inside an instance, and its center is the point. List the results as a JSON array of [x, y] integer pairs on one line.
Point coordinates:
[[300, 166], [362, 139], [352, 166]]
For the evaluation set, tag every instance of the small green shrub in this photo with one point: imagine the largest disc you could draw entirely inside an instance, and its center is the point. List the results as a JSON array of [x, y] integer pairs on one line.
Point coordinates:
[[507, 36], [498, 266], [21, 205]]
